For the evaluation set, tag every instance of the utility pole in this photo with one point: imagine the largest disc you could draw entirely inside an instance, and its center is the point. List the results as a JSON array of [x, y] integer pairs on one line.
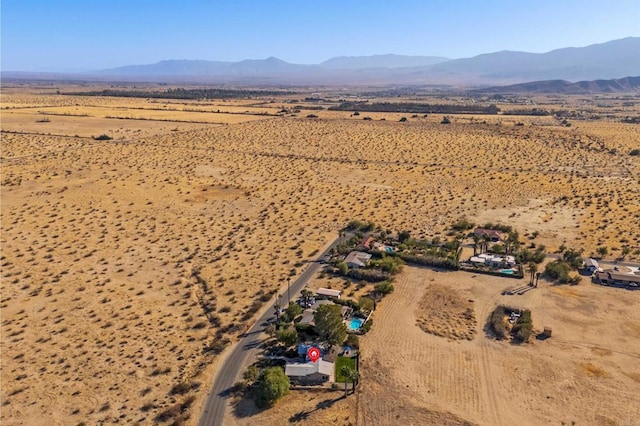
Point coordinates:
[[288, 290]]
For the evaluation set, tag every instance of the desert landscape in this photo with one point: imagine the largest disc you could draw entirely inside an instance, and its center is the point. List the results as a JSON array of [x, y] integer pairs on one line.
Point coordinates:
[[130, 265]]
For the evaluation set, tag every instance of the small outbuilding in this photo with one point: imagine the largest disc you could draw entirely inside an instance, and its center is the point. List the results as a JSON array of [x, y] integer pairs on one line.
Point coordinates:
[[329, 292]]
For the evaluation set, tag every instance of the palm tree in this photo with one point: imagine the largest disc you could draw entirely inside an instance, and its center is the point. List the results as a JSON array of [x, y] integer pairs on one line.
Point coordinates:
[[532, 268], [306, 296], [350, 376], [538, 274], [476, 241], [486, 240]]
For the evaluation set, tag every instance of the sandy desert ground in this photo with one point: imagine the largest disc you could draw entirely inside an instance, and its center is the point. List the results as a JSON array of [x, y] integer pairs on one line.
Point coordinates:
[[585, 373], [128, 265]]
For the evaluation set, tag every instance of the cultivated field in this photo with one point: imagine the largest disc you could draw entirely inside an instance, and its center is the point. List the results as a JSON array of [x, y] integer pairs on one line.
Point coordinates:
[[129, 265]]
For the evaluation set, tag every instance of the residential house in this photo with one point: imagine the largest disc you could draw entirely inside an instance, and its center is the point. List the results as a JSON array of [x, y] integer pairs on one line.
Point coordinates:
[[357, 259], [310, 373], [366, 242], [496, 236]]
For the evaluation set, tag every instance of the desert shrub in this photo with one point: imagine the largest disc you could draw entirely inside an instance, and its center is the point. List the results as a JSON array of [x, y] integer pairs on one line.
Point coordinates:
[[385, 287], [497, 227], [438, 262], [251, 374], [366, 326], [358, 225], [390, 264], [103, 137], [634, 152], [497, 322], [365, 303], [347, 302], [462, 225], [371, 275], [180, 389]]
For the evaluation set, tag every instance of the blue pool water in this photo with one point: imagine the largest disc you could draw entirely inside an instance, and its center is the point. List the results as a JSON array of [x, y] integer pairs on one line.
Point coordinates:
[[355, 323], [507, 271]]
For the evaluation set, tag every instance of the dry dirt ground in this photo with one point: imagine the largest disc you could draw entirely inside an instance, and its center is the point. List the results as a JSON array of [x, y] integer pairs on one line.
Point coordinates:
[[127, 264], [585, 373]]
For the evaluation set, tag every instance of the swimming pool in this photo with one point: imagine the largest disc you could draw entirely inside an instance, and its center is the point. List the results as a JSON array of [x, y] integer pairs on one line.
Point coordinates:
[[508, 271], [355, 323]]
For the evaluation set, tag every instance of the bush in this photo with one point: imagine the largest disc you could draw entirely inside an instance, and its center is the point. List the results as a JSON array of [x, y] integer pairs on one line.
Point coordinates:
[[293, 310], [288, 336], [366, 326], [272, 385], [462, 225], [371, 275], [353, 341], [384, 287], [390, 264], [365, 303], [558, 270], [251, 374], [103, 137], [634, 152], [497, 322], [437, 262]]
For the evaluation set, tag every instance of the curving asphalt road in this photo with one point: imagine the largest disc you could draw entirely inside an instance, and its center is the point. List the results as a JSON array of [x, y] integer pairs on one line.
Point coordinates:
[[214, 407]]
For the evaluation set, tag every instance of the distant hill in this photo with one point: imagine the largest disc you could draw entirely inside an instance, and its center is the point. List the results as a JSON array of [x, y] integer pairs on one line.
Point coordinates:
[[611, 60], [184, 67], [620, 85], [614, 59], [380, 61]]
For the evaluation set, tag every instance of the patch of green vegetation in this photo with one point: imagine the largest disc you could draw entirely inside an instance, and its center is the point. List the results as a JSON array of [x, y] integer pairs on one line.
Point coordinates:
[[342, 361]]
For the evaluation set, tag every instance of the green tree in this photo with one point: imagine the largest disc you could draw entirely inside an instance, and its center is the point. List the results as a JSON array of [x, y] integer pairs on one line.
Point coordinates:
[[602, 251], [329, 324], [365, 303], [353, 341], [293, 310], [385, 287], [343, 267], [306, 296], [625, 251], [272, 385], [476, 244], [404, 236], [350, 376], [532, 268], [288, 336]]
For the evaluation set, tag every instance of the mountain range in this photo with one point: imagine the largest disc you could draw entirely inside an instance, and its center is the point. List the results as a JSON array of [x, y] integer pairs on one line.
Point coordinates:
[[611, 60], [619, 85]]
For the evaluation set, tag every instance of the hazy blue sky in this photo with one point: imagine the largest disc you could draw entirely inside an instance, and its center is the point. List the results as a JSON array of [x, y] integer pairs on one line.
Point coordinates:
[[94, 34]]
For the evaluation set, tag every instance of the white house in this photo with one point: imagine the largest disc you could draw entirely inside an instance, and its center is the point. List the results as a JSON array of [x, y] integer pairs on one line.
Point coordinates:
[[357, 259], [317, 372]]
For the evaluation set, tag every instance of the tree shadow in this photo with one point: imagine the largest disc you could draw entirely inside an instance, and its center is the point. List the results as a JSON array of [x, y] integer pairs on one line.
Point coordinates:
[[322, 405]]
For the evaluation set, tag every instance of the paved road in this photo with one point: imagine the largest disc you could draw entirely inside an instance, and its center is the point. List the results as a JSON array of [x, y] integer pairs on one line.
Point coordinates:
[[216, 403]]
